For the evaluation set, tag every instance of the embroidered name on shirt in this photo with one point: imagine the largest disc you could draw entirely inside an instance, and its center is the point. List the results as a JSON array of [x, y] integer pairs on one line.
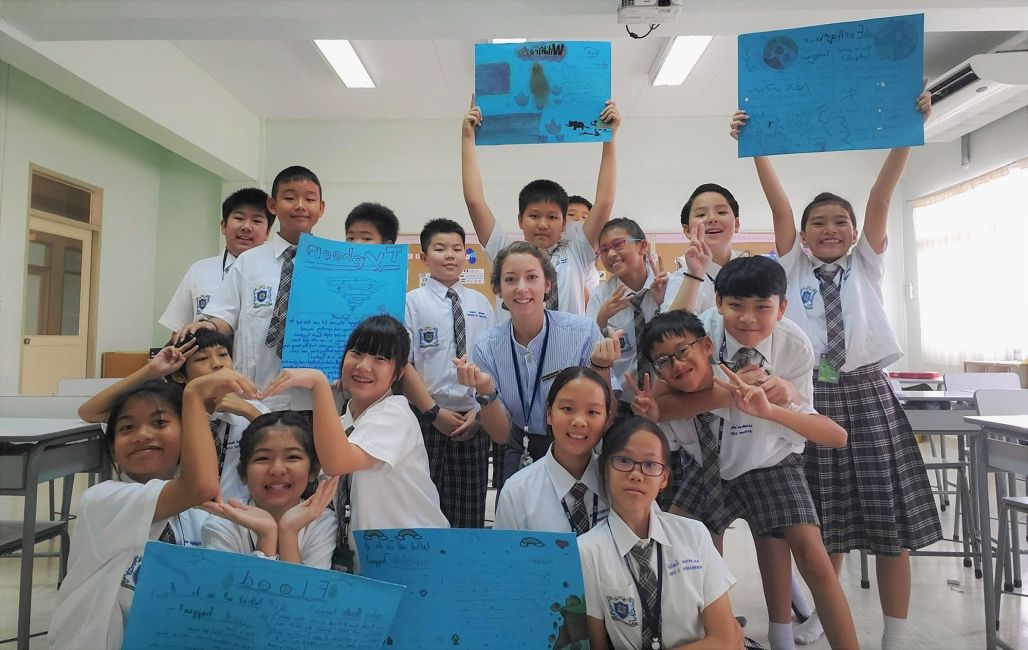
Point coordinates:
[[476, 314], [675, 567]]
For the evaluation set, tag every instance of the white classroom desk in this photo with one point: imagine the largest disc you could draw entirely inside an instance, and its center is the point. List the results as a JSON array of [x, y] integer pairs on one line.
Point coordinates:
[[39, 450], [908, 396], [937, 382], [997, 447]]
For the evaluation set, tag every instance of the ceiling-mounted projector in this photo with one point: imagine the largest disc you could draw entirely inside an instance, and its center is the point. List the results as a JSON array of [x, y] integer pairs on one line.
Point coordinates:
[[648, 12]]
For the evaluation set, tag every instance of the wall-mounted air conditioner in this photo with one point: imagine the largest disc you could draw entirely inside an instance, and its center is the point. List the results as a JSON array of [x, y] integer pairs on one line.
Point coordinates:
[[980, 90]]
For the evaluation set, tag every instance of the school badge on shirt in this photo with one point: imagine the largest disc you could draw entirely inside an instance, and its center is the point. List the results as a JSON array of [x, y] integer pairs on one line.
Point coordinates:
[[201, 302], [263, 297], [807, 296], [428, 337], [622, 610]]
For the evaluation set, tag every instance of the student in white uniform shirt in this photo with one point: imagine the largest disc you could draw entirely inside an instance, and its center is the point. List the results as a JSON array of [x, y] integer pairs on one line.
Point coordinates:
[[161, 447], [377, 441], [445, 319], [652, 579], [873, 494], [278, 462], [562, 492], [542, 216], [579, 208], [245, 223]]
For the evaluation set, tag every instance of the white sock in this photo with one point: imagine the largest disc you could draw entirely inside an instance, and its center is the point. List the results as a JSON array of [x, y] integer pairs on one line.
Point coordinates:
[[799, 599], [780, 636], [895, 635], [809, 631]]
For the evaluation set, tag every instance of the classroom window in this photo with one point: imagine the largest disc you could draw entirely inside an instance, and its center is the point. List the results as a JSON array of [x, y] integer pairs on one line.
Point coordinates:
[[972, 274]]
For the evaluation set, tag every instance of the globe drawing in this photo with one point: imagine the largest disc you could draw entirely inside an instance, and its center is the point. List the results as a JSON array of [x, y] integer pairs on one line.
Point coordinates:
[[780, 52]]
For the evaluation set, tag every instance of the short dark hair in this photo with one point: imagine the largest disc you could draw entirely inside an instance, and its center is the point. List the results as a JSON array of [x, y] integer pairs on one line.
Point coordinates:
[[580, 200], [618, 436], [382, 218], [294, 173], [380, 336], [522, 248], [162, 393], [754, 276], [206, 338], [663, 326], [542, 191], [258, 429], [631, 227], [568, 375], [827, 198], [248, 197], [709, 187], [440, 227]]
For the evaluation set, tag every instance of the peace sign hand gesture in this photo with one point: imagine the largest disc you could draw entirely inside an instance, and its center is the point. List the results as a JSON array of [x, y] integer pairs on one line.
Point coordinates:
[[643, 404], [751, 400]]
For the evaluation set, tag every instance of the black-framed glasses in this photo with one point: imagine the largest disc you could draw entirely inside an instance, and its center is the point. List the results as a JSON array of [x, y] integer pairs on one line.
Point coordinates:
[[648, 467], [663, 362], [616, 245]]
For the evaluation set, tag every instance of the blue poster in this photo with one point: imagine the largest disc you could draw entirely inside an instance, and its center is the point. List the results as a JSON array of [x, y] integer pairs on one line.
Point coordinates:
[[200, 598], [550, 91], [479, 588], [832, 87], [335, 286]]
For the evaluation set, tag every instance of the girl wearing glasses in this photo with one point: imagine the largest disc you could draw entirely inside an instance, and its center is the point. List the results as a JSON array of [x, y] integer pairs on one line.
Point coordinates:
[[652, 579]]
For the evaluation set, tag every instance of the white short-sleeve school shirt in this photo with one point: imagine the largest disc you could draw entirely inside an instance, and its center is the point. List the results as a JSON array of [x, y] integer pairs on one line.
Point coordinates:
[[705, 297], [230, 429], [751, 443], [398, 491], [429, 319], [532, 498], [245, 301], [95, 599], [694, 577], [624, 320], [317, 540], [572, 258], [869, 336], [201, 281]]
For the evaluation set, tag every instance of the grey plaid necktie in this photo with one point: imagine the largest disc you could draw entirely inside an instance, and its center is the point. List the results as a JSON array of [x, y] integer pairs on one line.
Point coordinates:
[[167, 535], [836, 349], [579, 515], [458, 322], [552, 302], [711, 470], [277, 326], [742, 358], [220, 443], [640, 322], [647, 591]]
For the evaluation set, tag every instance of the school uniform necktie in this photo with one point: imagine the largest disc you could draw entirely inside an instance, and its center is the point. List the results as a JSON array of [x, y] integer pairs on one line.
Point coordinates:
[[552, 302], [641, 367], [167, 535], [220, 444], [459, 335], [647, 585], [742, 358], [710, 475], [836, 349], [342, 505], [277, 326], [579, 515]]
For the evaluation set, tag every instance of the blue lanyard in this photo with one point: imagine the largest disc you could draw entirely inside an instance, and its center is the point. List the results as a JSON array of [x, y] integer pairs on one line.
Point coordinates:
[[527, 410]]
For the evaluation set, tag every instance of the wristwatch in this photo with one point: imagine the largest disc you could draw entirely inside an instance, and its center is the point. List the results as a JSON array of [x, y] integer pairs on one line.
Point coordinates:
[[486, 400], [432, 413]]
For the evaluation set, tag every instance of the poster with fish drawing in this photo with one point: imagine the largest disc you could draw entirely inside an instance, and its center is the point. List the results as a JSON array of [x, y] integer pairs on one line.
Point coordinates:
[[541, 92], [335, 286]]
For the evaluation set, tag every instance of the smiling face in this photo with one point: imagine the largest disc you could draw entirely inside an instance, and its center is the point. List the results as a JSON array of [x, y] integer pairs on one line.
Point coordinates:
[[523, 285], [245, 227], [620, 255], [694, 373], [279, 470], [298, 206], [751, 320], [634, 490], [446, 257], [578, 417], [367, 376], [829, 232], [712, 210], [542, 223], [147, 439]]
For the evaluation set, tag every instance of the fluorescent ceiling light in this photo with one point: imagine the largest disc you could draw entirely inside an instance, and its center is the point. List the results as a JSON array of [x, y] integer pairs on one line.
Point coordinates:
[[679, 59], [341, 56], [508, 40]]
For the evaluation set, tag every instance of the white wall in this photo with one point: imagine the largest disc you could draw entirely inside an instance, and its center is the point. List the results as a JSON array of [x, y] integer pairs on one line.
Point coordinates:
[[414, 168]]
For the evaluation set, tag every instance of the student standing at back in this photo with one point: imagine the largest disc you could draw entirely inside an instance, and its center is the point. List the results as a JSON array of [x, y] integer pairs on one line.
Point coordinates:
[[445, 319], [542, 216], [245, 223], [873, 494]]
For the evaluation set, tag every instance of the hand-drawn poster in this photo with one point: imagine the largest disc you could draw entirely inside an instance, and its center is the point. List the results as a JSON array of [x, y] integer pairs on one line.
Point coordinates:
[[483, 589], [832, 87], [200, 598], [550, 91], [335, 286]]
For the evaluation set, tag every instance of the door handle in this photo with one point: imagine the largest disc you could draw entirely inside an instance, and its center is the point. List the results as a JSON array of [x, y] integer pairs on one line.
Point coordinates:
[[26, 341]]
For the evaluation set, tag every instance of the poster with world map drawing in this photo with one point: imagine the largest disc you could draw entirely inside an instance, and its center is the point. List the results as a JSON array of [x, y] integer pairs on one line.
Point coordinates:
[[335, 286], [542, 92], [832, 87]]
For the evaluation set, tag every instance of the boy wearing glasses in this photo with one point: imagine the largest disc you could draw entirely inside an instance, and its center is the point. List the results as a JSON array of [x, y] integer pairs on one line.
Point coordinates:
[[744, 447]]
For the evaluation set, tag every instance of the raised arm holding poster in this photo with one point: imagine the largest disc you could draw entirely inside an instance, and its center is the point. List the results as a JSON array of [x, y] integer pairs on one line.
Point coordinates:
[[832, 87]]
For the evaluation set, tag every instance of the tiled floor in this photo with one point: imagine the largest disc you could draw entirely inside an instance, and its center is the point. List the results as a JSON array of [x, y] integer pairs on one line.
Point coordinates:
[[943, 616]]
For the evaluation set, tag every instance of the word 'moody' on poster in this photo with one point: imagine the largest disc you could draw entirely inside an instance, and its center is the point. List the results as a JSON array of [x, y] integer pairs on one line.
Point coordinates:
[[479, 588], [201, 598], [550, 91], [832, 87], [335, 286]]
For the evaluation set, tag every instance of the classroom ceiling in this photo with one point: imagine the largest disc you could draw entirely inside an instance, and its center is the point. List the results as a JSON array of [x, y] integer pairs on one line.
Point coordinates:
[[420, 52]]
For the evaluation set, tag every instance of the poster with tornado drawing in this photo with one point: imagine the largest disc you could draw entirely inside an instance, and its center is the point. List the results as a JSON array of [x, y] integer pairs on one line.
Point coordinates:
[[335, 286], [542, 92]]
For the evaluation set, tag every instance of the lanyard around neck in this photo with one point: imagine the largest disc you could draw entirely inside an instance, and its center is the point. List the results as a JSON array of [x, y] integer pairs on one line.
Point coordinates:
[[657, 617], [526, 410]]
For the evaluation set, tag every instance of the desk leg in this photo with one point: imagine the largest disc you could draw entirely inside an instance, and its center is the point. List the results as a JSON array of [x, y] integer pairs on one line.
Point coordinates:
[[980, 463], [28, 550]]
